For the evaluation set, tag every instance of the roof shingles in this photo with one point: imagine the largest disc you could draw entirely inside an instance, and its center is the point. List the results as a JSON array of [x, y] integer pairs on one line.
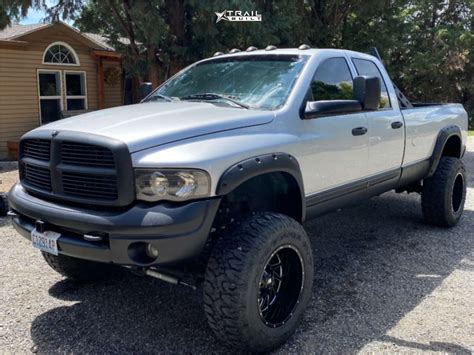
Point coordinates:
[[14, 31]]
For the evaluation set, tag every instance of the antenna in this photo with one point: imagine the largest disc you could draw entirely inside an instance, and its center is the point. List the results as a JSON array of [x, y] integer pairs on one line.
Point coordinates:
[[374, 52]]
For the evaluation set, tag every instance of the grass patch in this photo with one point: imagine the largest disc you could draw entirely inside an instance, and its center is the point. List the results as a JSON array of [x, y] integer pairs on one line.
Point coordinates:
[[470, 133]]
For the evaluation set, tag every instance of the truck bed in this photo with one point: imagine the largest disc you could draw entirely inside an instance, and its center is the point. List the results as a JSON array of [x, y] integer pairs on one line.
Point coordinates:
[[423, 123]]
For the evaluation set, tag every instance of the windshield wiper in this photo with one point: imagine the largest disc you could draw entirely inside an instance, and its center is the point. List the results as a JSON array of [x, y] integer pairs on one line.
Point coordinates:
[[213, 96], [159, 96]]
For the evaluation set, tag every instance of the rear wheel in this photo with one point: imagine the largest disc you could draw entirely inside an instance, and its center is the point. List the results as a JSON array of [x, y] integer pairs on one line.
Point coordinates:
[[444, 194], [258, 282], [79, 269]]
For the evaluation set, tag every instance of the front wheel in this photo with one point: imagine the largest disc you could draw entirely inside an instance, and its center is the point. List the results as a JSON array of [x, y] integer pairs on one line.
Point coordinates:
[[444, 194], [258, 282]]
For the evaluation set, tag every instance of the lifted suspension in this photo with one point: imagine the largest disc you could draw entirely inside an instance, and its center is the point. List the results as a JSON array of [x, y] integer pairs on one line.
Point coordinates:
[[160, 276]]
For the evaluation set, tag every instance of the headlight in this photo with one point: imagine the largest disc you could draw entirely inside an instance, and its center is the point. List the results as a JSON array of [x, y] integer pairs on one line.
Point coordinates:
[[171, 184]]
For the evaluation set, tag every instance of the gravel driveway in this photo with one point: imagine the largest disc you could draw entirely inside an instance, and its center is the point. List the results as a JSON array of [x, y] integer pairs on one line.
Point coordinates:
[[8, 175], [384, 282]]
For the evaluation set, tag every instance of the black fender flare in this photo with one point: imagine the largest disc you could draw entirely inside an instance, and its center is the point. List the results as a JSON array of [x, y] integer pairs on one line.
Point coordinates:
[[443, 136], [249, 168]]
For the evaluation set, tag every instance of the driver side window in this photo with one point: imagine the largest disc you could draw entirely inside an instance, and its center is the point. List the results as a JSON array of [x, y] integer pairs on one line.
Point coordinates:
[[332, 81]]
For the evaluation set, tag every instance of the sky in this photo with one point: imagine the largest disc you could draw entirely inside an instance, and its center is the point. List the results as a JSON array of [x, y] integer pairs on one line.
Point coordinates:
[[36, 16]]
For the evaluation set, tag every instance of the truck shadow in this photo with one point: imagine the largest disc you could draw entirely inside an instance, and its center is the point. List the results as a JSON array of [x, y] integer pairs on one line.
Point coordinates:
[[8, 166], [373, 264]]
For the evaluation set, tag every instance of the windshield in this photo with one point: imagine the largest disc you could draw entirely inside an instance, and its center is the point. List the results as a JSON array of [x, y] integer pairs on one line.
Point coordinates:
[[250, 81]]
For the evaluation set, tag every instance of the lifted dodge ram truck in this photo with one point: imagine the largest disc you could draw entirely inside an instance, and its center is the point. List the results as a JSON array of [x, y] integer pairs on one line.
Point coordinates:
[[207, 181]]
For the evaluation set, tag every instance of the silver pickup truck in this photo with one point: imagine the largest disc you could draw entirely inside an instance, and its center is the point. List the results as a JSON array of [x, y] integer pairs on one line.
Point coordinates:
[[207, 181]]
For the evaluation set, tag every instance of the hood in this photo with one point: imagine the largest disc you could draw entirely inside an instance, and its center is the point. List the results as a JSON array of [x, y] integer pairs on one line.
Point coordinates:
[[150, 124]]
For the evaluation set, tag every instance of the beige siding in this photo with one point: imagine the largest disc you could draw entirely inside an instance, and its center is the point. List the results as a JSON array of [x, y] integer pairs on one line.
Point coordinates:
[[19, 107], [113, 91], [18, 96]]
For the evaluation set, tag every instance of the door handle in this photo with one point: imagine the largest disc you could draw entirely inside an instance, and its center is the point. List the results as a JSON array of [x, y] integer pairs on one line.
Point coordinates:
[[359, 131], [397, 124]]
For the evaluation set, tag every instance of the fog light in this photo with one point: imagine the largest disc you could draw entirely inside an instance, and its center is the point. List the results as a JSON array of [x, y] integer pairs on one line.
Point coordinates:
[[151, 251]]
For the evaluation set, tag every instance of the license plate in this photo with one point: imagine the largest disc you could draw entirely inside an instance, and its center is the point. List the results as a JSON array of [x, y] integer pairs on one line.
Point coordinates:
[[46, 241]]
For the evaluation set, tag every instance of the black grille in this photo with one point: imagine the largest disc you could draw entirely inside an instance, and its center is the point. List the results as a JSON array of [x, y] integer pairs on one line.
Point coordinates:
[[90, 186], [77, 168], [86, 155], [36, 176], [37, 149]]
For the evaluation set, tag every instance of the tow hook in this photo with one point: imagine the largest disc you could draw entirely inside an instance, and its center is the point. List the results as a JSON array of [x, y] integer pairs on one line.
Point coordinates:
[[160, 276]]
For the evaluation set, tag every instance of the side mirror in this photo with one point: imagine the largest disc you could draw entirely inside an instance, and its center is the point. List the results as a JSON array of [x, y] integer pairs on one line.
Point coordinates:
[[366, 96], [367, 91], [145, 90], [330, 107]]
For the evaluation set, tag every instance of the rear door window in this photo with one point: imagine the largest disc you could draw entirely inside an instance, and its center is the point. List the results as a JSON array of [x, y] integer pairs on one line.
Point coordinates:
[[367, 67]]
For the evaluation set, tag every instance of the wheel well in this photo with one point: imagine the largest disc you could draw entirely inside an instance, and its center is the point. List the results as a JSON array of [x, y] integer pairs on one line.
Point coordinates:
[[452, 147], [272, 192]]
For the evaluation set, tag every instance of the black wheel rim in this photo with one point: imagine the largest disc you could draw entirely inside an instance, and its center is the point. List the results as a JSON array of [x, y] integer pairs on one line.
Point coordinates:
[[280, 286], [458, 192]]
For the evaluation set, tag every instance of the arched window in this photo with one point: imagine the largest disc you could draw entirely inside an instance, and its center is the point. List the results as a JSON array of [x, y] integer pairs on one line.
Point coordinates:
[[60, 53]]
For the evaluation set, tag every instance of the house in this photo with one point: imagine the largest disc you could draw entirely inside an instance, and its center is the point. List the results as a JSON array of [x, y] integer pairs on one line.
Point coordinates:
[[52, 71]]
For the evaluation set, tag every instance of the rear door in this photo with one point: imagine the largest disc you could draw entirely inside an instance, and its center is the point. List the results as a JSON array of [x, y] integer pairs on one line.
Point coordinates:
[[335, 147], [386, 125]]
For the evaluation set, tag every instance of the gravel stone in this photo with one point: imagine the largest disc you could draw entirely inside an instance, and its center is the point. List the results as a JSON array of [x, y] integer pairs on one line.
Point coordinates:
[[384, 282]]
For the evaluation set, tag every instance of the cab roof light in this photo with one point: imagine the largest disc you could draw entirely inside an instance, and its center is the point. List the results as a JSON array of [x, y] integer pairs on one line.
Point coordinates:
[[234, 50], [217, 54], [304, 47], [271, 47], [251, 49]]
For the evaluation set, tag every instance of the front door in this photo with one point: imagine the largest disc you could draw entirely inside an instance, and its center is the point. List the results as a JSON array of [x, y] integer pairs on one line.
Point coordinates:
[[386, 131], [50, 95], [336, 147]]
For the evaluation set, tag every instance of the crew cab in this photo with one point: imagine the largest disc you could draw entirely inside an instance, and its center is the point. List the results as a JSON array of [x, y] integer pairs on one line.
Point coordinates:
[[209, 179]]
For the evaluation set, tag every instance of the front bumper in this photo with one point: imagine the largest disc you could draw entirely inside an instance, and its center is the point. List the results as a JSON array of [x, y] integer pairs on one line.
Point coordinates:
[[178, 231]]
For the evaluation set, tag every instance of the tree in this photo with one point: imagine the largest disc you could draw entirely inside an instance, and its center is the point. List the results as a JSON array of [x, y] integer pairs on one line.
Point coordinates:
[[13, 10], [426, 44], [140, 23], [427, 47], [174, 33]]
